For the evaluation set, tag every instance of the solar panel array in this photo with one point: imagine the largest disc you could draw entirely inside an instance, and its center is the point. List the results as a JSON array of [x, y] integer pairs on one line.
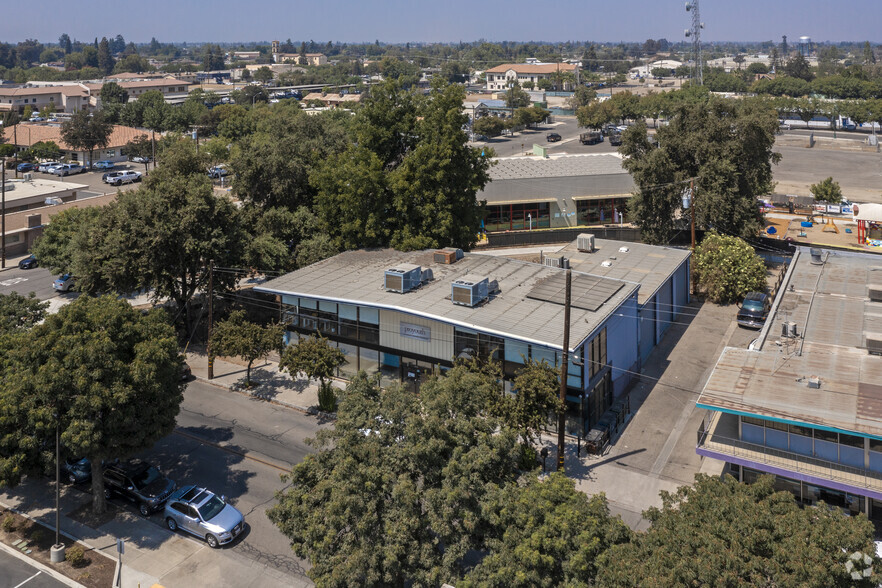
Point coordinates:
[[588, 292]]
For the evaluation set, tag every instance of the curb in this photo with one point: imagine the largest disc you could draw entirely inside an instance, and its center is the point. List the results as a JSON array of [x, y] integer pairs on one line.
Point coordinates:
[[40, 566], [310, 410]]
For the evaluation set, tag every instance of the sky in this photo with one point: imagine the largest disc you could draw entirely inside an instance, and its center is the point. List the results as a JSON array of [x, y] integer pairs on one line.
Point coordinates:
[[399, 21]]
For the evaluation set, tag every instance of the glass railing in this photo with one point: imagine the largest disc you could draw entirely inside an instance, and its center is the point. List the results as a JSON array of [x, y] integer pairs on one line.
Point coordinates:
[[787, 460]]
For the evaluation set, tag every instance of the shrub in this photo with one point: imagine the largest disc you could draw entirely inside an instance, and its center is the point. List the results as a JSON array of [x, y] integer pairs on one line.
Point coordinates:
[[327, 398], [36, 535], [727, 268], [529, 459], [75, 556], [9, 523]]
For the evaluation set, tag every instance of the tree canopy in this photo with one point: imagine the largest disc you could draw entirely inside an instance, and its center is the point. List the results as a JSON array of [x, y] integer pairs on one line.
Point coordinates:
[[86, 131], [237, 336], [313, 356], [827, 190], [19, 312], [727, 268]]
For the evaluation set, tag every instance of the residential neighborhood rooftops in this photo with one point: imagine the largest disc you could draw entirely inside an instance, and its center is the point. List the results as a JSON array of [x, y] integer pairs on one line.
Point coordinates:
[[825, 376], [357, 277]]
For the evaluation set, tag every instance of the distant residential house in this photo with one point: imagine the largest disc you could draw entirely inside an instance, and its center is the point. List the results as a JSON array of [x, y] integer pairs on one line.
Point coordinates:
[[527, 75], [25, 135], [305, 59]]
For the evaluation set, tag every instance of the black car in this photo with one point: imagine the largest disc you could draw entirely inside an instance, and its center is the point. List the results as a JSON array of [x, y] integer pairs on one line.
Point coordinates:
[[754, 310], [139, 482], [28, 262], [552, 137], [76, 471]]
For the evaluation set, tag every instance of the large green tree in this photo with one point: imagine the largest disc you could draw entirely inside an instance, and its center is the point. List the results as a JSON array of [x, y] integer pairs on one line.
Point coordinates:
[[546, 533], [106, 374], [87, 131], [725, 145], [724, 533], [55, 248], [727, 268], [313, 356], [19, 312], [393, 496]]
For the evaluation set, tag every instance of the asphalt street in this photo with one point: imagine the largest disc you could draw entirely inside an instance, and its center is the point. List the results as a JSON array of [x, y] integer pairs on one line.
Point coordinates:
[[15, 573], [238, 447], [37, 280]]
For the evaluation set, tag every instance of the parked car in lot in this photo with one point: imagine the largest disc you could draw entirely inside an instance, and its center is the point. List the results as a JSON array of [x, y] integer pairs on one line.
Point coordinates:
[[68, 169], [552, 137], [138, 482], [754, 310], [63, 283], [25, 167], [139, 159], [29, 262], [76, 470], [124, 177], [105, 165], [47, 165], [218, 171], [204, 514], [36, 118], [615, 139], [110, 175]]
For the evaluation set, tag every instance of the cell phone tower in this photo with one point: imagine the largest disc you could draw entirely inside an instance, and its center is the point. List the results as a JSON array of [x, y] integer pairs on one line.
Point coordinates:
[[695, 33]]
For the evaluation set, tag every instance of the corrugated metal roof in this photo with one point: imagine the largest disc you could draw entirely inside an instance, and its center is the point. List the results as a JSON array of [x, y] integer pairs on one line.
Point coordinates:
[[830, 306], [356, 277]]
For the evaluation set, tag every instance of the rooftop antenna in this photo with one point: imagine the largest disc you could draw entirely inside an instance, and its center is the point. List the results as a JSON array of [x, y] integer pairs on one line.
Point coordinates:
[[695, 33]]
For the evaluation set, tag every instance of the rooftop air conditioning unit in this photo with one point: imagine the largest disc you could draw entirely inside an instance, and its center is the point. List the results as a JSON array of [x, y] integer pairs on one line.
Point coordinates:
[[585, 242], [874, 291], [814, 382], [447, 255], [28, 177], [403, 278], [469, 291], [554, 261], [874, 343]]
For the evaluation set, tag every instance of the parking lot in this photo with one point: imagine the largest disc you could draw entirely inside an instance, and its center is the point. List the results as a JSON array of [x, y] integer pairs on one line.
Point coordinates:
[[92, 179]]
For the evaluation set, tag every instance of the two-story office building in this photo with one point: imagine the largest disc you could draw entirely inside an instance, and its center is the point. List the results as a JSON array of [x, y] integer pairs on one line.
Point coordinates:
[[805, 402], [528, 75], [405, 316]]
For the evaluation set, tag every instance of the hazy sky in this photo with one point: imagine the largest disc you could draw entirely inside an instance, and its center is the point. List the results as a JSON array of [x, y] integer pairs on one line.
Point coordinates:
[[397, 21]]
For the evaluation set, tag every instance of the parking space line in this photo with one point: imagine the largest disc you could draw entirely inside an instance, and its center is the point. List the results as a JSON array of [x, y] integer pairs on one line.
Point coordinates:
[[28, 580]]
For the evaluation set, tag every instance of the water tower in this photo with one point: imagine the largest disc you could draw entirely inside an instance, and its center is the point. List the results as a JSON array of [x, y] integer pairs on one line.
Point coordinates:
[[805, 46]]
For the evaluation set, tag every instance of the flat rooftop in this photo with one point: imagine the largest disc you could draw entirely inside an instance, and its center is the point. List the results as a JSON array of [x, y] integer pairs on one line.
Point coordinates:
[[558, 166], [647, 265], [357, 277], [830, 305], [36, 188]]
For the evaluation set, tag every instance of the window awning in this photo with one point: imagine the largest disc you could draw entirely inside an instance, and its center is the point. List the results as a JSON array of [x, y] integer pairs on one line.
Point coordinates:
[[525, 201]]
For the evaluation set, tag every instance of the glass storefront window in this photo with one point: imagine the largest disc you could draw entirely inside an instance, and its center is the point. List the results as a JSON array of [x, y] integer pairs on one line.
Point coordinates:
[[389, 369], [602, 211], [511, 217], [350, 366], [369, 361], [543, 353]]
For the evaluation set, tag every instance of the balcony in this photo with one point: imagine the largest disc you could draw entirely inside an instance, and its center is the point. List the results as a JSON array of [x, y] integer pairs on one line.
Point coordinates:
[[720, 441]]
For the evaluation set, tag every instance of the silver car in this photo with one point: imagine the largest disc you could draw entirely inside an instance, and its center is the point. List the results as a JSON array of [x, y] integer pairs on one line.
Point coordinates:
[[204, 514]]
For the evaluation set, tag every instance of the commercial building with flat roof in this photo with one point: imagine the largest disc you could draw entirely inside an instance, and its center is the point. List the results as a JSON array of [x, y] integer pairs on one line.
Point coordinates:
[[805, 402], [476, 305], [558, 191]]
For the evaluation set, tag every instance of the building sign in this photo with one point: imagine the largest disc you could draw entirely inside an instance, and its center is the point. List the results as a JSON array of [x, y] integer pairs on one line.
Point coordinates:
[[415, 331]]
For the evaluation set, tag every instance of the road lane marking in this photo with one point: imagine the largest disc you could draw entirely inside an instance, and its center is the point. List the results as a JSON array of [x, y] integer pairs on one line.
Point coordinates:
[[28, 580], [13, 281]]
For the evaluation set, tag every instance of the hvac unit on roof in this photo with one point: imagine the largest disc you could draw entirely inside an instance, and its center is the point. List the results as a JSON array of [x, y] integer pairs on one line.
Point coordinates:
[[469, 291], [447, 255], [874, 342], [788, 330], [585, 242], [874, 291], [403, 278]]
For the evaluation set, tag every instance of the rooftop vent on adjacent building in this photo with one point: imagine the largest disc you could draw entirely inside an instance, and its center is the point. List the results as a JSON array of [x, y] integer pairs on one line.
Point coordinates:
[[493, 287], [561, 262], [623, 249], [447, 255], [606, 263], [788, 330], [585, 242], [403, 278], [874, 342], [874, 291], [814, 382], [817, 256], [427, 276], [469, 291]]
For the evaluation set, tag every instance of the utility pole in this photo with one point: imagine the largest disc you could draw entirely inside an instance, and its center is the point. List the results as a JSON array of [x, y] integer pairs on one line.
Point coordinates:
[[3, 217], [564, 360], [210, 318]]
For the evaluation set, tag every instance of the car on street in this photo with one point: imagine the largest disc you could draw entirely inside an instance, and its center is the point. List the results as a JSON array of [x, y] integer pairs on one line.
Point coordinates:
[[68, 169], [25, 167], [76, 470], [29, 262], [47, 165], [218, 171], [754, 310], [63, 283], [204, 514], [105, 165], [125, 177], [139, 482], [36, 119], [552, 137]]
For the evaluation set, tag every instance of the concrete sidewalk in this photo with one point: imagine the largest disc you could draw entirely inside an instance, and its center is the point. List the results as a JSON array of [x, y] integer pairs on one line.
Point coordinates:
[[268, 383], [153, 554]]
